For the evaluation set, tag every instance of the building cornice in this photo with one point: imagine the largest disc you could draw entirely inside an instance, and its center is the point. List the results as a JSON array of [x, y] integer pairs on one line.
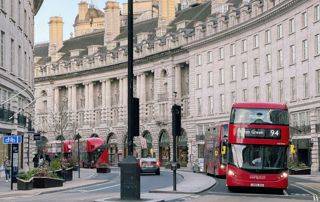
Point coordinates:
[[156, 56], [253, 22], [17, 84]]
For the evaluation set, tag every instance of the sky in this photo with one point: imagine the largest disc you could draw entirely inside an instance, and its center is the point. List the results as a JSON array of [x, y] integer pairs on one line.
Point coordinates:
[[67, 9]]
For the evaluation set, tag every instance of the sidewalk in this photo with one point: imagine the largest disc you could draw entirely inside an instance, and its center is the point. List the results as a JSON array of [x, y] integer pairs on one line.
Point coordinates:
[[314, 181], [85, 179]]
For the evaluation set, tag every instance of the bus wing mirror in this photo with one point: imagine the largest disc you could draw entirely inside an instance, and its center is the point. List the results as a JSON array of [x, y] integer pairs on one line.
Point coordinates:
[[223, 150]]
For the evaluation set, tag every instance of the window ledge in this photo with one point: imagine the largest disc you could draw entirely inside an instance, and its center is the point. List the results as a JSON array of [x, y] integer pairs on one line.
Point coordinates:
[[306, 98], [3, 11], [292, 64], [280, 68], [255, 48], [243, 52], [245, 78], [233, 81], [316, 21], [304, 27], [220, 84], [280, 38], [317, 55], [268, 71], [304, 60], [232, 56], [3, 68], [267, 43], [256, 75], [292, 101]]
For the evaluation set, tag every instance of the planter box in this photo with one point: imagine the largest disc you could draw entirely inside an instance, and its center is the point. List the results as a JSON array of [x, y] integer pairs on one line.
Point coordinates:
[[46, 182], [306, 171], [103, 170], [24, 184], [67, 174]]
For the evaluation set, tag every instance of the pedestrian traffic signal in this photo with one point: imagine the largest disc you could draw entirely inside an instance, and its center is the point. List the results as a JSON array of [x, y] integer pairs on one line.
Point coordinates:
[[292, 149], [135, 116], [176, 120]]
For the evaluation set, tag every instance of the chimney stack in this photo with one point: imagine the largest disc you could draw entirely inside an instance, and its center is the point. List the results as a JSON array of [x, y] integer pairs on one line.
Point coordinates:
[[56, 34], [83, 9], [112, 21], [167, 9]]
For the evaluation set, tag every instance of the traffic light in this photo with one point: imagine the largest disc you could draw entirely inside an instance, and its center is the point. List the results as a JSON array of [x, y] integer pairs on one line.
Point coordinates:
[[135, 116], [176, 120]]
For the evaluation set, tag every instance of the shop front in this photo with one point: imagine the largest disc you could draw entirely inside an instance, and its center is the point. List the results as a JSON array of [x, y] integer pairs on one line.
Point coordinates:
[[182, 148], [164, 148]]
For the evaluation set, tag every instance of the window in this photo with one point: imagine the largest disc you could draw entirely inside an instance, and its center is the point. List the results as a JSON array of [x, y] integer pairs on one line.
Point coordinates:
[[198, 60], [280, 31], [209, 56], [12, 56], [317, 13], [280, 58], [256, 66], [12, 9], [2, 40], [292, 28], [233, 97], [269, 96], [1, 4], [233, 49], [244, 70], [256, 41], [210, 79], [268, 36], [281, 95], [305, 49], [221, 76], [317, 44], [244, 45], [199, 81], [233, 72], [268, 61], [244, 95], [257, 93], [292, 54], [318, 82], [19, 13], [210, 103], [305, 86], [222, 104], [293, 88], [304, 19], [199, 104], [19, 67], [221, 53]]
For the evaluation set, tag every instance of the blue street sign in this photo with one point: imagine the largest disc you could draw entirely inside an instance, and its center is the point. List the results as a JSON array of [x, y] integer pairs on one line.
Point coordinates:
[[17, 139]]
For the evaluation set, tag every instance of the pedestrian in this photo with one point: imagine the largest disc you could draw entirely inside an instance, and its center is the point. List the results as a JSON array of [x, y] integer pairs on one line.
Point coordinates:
[[7, 168], [35, 161]]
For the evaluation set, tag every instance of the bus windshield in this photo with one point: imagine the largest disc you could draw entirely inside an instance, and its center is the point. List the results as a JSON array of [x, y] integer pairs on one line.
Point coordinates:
[[259, 116], [257, 158]]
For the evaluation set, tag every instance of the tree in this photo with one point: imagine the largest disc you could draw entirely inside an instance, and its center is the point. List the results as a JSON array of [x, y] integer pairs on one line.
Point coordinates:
[[60, 120]]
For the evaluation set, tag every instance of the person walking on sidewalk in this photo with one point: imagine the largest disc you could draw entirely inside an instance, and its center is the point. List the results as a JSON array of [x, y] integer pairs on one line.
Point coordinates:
[[7, 167]]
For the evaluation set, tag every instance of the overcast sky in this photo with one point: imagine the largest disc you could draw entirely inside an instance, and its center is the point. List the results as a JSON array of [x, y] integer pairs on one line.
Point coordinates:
[[67, 9]]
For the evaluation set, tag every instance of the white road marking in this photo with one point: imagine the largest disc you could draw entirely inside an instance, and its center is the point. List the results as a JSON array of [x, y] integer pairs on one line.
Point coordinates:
[[102, 188], [315, 196]]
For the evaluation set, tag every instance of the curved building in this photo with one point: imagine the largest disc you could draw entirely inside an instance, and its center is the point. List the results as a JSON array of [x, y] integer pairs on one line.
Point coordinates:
[[16, 71], [204, 58]]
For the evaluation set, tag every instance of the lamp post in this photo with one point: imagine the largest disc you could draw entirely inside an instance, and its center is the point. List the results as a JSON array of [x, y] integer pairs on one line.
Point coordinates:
[[77, 137]]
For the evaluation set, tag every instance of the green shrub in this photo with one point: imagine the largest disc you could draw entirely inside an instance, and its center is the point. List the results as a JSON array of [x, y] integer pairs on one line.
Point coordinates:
[[55, 164], [27, 175]]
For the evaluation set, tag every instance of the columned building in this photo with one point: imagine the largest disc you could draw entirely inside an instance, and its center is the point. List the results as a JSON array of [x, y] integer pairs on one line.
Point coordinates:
[[16, 73], [205, 57]]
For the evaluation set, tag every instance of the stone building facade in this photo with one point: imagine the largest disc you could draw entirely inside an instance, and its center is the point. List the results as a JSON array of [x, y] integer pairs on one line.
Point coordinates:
[[16, 72], [207, 57]]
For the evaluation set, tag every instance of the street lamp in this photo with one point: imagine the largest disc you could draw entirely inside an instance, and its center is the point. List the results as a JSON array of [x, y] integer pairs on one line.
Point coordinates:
[[77, 137]]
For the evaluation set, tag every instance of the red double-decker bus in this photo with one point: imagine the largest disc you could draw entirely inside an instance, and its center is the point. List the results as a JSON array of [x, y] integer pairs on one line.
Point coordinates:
[[94, 152], [258, 146], [215, 146]]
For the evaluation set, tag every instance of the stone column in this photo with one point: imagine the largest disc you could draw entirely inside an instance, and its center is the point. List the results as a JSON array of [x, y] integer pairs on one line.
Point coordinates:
[[91, 103], [103, 93], [138, 86], [69, 98], [108, 101], [314, 142], [120, 92], [74, 99], [177, 84], [86, 94], [125, 91], [56, 99], [143, 88]]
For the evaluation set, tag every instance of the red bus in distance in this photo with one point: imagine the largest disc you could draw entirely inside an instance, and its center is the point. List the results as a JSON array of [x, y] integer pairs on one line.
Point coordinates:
[[215, 150], [258, 146]]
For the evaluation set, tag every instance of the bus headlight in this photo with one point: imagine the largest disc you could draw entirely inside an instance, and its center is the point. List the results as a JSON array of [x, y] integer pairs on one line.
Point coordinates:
[[284, 175], [222, 166], [241, 132], [231, 173]]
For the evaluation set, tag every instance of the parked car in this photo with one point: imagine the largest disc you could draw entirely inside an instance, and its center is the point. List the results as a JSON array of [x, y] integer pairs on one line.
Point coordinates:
[[150, 165]]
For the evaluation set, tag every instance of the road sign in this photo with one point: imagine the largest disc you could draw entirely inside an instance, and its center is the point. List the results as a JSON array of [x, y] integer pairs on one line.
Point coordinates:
[[17, 139], [36, 137]]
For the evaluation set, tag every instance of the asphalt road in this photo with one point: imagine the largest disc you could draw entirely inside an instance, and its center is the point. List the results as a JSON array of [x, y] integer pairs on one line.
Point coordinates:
[[100, 191], [220, 192]]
